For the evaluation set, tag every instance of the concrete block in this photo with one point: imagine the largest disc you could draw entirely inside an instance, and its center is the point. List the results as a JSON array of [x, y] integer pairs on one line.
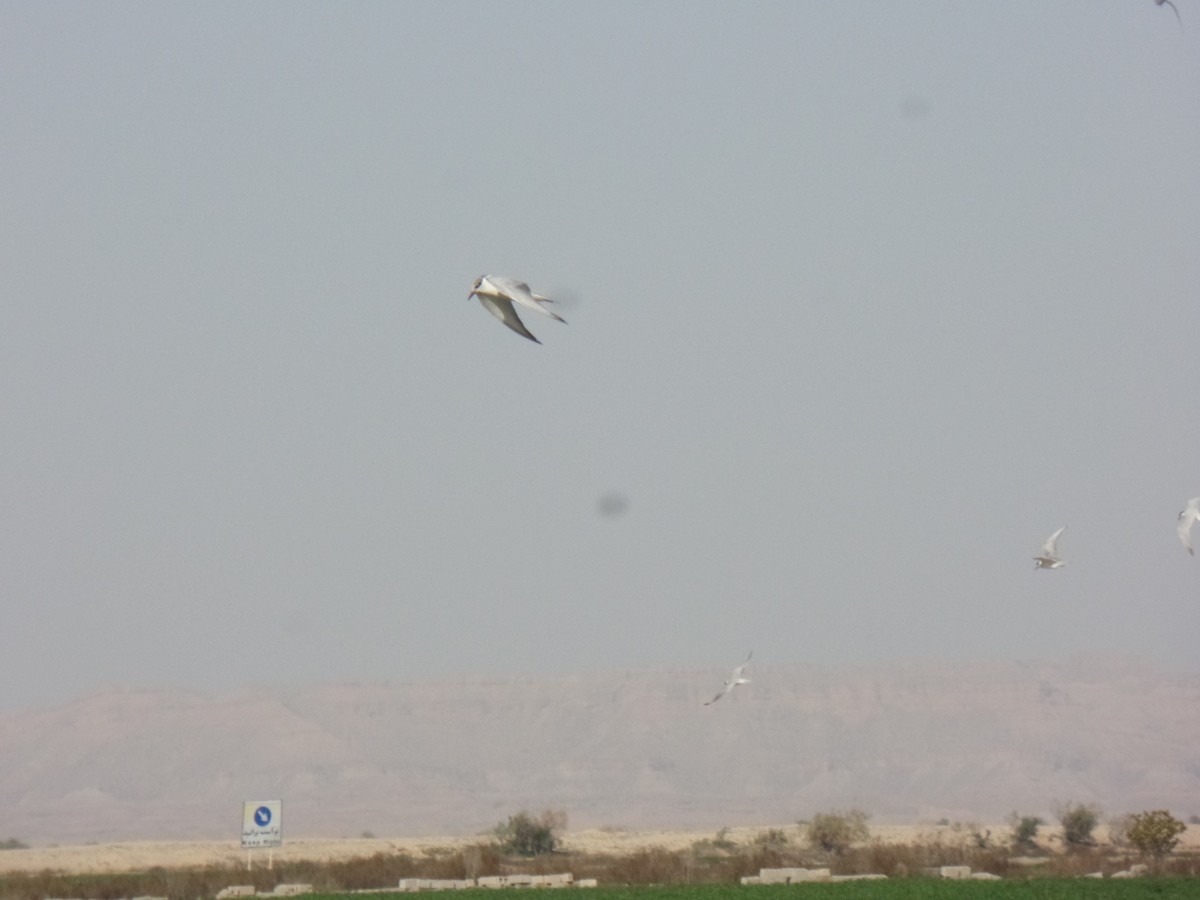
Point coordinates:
[[556, 879], [791, 875], [1139, 870], [984, 876], [1124, 873], [520, 879], [1093, 875], [236, 890], [586, 882], [291, 890], [874, 876], [955, 871], [751, 879], [492, 881]]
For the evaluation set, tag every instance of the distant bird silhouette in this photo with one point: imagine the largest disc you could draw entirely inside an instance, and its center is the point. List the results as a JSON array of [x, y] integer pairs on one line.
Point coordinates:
[[1174, 9], [735, 678], [1049, 558]]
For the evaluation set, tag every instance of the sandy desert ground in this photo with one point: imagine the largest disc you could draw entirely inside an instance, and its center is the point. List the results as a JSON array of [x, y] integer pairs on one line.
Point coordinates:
[[138, 855]]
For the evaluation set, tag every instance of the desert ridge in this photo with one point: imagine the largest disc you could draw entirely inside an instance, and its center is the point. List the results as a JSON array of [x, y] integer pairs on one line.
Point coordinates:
[[636, 750]]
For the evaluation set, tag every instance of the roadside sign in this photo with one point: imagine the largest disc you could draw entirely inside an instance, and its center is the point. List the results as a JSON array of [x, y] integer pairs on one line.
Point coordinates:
[[262, 823]]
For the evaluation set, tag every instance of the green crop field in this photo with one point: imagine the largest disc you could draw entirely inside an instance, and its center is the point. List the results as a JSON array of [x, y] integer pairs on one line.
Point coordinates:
[[893, 889]]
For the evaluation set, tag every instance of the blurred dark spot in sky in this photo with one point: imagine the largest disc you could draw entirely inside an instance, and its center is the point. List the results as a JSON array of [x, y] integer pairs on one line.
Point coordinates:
[[612, 504]]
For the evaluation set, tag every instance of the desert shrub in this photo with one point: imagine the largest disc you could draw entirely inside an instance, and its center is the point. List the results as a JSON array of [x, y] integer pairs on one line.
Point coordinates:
[[1025, 829], [1155, 833], [723, 842], [834, 832], [1078, 820], [719, 843], [525, 835], [772, 837], [13, 844], [980, 838]]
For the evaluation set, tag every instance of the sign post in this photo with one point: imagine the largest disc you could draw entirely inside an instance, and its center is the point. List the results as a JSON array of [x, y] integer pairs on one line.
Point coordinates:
[[262, 826]]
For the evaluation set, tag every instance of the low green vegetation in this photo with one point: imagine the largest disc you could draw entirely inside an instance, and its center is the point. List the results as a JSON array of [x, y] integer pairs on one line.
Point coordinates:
[[650, 874], [907, 889]]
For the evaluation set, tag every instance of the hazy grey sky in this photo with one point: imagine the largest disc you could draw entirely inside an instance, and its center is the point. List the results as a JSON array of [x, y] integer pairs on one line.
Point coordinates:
[[864, 300]]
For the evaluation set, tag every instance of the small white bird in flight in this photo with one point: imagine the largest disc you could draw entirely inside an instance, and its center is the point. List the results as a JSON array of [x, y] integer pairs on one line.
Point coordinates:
[[735, 678], [1186, 518], [1048, 559], [1173, 9], [497, 294]]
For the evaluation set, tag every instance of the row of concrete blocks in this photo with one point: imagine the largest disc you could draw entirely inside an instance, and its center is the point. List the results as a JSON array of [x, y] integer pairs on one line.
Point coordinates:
[[960, 873], [1132, 872], [280, 890], [797, 875], [561, 880]]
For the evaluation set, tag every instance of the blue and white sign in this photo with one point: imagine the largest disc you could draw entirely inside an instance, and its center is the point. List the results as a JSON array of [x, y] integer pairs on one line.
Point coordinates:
[[262, 823]]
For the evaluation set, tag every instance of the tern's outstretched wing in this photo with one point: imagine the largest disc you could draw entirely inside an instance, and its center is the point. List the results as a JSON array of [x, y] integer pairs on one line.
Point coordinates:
[[1049, 547], [503, 310], [728, 687], [520, 292], [1174, 9], [737, 673], [1186, 518]]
